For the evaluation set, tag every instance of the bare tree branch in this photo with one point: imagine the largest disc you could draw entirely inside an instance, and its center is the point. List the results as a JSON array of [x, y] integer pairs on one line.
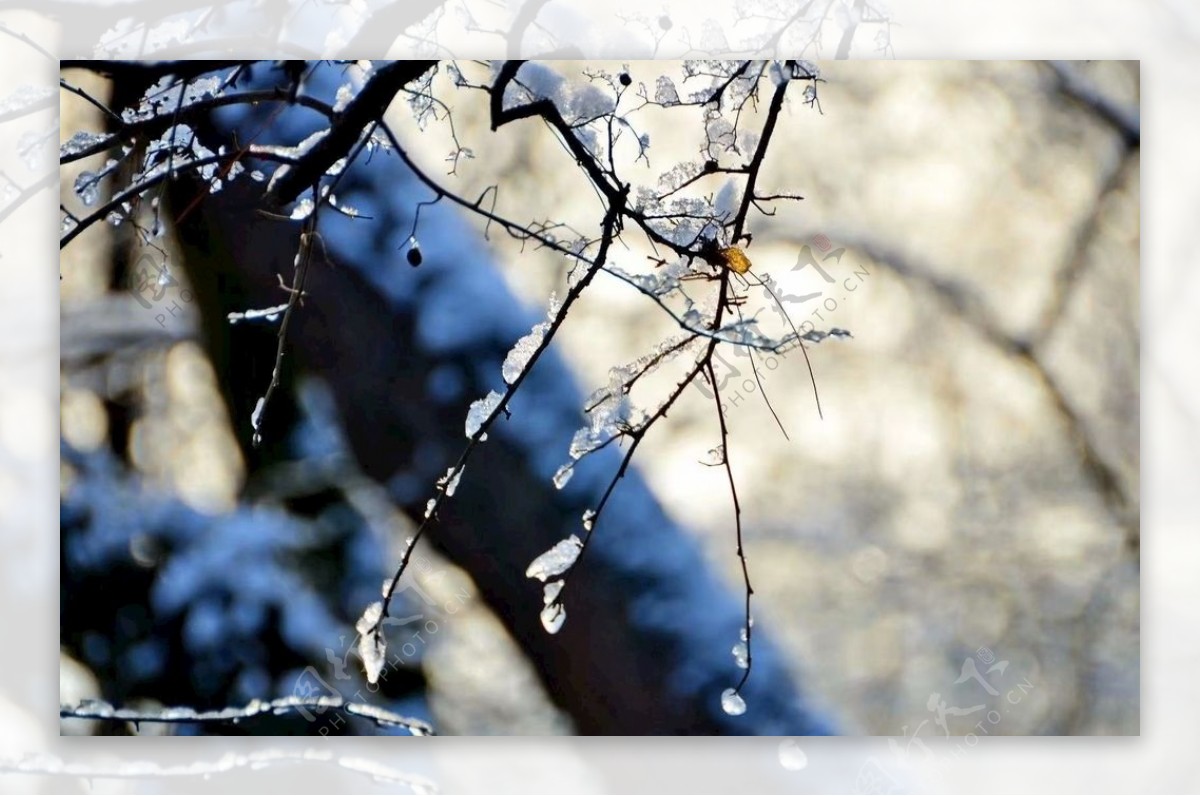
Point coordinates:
[[367, 106], [102, 711]]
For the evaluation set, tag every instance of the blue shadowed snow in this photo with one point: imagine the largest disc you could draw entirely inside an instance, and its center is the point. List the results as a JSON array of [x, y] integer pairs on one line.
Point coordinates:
[[221, 583]]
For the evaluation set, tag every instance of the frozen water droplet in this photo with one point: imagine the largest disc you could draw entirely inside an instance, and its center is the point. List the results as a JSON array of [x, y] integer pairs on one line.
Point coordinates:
[[553, 616], [563, 475], [518, 358], [480, 411], [369, 617], [791, 756], [256, 415], [589, 520], [372, 647], [429, 507], [449, 481], [86, 187], [741, 654], [551, 590], [81, 141], [302, 209], [731, 703], [371, 644], [556, 560]]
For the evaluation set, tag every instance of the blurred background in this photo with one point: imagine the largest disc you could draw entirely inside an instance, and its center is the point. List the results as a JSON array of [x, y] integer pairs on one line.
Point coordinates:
[[970, 494]]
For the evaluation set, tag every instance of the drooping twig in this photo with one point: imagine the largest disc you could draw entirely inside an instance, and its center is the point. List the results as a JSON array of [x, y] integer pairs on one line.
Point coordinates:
[[609, 233], [737, 519], [295, 293]]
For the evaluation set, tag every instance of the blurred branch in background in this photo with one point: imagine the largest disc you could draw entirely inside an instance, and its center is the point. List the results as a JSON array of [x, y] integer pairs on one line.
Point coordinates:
[[1126, 120], [959, 299]]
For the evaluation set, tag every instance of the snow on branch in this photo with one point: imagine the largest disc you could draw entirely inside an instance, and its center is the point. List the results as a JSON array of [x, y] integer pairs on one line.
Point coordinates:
[[103, 711]]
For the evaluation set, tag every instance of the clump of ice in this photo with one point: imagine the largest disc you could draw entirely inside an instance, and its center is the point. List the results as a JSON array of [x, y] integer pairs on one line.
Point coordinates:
[[480, 411], [556, 560]]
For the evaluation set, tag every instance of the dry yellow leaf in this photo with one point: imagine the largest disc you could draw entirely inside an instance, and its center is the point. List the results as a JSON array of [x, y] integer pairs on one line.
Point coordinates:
[[736, 259]]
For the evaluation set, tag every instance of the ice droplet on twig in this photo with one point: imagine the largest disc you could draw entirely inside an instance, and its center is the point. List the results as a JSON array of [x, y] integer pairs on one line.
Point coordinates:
[[449, 481], [86, 188], [556, 560], [302, 210], [256, 416], [522, 352], [555, 613], [480, 411], [563, 475], [553, 616], [83, 140], [741, 654], [371, 644], [551, 590], [369, 617], [731, 703], [269, 314]]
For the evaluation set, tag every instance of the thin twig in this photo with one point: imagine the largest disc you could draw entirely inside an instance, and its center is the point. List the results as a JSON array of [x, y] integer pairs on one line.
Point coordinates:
[[611, 221], [94, 710], [295, 293], [737, 519]]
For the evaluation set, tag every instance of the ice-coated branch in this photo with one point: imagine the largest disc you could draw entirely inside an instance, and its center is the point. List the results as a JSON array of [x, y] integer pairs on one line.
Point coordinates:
[[128, 129], [295, 292], [97, 710], [367, 107]]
